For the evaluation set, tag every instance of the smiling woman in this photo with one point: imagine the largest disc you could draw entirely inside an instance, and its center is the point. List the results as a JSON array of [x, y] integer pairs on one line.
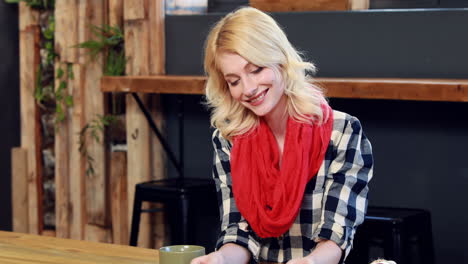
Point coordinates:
[[292, 174], [258, 89]]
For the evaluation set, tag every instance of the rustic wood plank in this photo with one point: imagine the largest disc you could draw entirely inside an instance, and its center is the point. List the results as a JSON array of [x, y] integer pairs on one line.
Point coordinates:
[[135, 9], [28, 17], [138, 160], [77, 165], [97, 204], [119, 199], [137, 47], [19, 189], [397, 89], [22, 248], [98, 234], [157, 67], [299, 5], [49, 233], [164, 84], [66, 30], [450, 90], [159, 171], [62, 184], [30, 129], [116, 13], [137, 50], [358, 4], [157, 49]]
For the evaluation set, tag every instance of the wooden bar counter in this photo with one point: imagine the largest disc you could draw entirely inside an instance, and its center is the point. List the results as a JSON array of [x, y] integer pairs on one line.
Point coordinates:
[[18, 248], [444, 90]]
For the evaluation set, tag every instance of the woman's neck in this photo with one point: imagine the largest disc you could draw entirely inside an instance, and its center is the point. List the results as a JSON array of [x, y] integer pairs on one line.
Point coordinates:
[[277, 118], [277, 121]]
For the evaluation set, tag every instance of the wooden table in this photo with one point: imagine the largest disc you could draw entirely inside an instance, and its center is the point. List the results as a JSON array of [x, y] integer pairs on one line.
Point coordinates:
[[17, 248]]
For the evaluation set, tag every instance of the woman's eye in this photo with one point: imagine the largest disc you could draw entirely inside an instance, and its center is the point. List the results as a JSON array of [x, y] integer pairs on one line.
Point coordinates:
[[234, 83], [259, 69]]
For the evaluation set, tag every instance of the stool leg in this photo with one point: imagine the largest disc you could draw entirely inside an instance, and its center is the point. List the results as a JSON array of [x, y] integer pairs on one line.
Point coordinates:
[[135, 219], [184, 214], [397, 246]]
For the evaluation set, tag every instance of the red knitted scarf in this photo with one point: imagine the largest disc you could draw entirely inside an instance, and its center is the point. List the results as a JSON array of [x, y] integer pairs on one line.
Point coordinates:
[[267, 196]]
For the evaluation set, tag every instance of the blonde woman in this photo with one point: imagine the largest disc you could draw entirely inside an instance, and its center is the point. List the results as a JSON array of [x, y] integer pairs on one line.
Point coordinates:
[[292, 174]]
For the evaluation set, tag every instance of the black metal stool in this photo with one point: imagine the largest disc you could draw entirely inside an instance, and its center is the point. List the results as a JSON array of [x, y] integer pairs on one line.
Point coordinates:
[[397, 231], [178, 194], [181, 194]]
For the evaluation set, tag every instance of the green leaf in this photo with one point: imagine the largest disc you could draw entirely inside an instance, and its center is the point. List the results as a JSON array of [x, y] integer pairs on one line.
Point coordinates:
[[59, 73], [69, 100], [71, 76], [62, 85]]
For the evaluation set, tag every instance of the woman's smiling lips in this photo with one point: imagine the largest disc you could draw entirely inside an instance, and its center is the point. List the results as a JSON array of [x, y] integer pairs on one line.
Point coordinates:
[[257, 100]]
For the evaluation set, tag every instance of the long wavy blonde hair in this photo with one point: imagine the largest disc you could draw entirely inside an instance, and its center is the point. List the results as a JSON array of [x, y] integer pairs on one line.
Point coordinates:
[[256, 37]]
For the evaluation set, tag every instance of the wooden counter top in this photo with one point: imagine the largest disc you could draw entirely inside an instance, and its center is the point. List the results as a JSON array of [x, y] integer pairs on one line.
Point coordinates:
[[17, 248], [448, 90]]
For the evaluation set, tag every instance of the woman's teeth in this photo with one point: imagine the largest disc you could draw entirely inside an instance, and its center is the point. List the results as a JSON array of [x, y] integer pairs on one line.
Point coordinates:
[[259, 97]]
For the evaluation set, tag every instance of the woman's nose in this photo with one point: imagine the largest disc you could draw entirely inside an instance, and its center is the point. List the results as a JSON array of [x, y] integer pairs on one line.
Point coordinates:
[[250, 88]]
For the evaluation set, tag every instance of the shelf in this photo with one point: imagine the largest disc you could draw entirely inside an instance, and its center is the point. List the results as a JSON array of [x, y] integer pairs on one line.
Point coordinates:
[[447, 90]]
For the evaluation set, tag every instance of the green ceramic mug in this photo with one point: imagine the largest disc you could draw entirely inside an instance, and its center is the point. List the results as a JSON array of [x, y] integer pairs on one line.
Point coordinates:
[[180, 254]]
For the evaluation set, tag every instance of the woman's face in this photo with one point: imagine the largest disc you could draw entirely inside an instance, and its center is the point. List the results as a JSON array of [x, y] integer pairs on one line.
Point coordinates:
[[257, 88]]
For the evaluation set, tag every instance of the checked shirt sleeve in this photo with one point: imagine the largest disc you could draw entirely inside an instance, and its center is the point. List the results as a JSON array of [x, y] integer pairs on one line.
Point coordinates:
[[234, 228], [346, 184]]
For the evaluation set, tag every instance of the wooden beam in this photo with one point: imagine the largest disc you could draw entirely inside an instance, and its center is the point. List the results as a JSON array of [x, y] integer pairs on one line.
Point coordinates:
[[66, 30], [28, 17], [157, 63], [19, 189], [308, 5], [449, 90], [97, 196], [137, 49], [77, 161], [397, 89], [116, 13], [157, 37], [62, 177], [119, 201], [164, 84], [358, 4], [30, 127], [135, 9]]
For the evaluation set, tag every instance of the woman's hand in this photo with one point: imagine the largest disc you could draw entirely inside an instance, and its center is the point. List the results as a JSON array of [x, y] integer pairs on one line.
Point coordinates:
[[304, 260], [212, 258], [228, 254]]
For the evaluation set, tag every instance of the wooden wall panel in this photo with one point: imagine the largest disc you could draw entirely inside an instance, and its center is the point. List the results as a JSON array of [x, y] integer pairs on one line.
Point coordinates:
[[157, 47], [98, 234], [19, 189], [157, 67], [27, 17], [62, 184], [66, 30], [307, 5], [30, 129], [97, 206], [116, 13], [119, 199], [135, 9], [359, 4], [77, 165], [138, 133]]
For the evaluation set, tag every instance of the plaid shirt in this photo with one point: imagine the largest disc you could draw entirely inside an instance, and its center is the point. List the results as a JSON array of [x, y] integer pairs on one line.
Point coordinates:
[[334, 203]]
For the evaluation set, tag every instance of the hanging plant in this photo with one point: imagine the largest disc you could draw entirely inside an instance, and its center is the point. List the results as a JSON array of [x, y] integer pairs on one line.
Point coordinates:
[[110, 43]]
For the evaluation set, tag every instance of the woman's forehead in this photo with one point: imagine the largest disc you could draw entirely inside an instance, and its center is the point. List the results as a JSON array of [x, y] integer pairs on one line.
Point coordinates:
[[230, 62]]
